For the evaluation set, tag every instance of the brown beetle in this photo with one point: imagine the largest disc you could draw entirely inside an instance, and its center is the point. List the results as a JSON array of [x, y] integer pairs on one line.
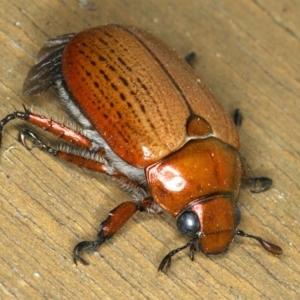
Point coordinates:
[[149, 122]]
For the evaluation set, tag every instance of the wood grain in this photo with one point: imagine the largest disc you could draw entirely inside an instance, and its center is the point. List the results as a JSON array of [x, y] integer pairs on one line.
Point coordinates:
[[248, 54]]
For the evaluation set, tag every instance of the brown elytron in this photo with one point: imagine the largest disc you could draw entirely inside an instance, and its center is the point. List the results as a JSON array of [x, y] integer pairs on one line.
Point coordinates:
[[126, 77]]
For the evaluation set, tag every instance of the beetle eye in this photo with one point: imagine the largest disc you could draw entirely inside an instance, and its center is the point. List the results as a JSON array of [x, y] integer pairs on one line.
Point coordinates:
[[188, 223]]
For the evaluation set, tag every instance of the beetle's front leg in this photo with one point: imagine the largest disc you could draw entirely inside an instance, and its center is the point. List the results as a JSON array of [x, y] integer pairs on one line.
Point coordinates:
[[115, 220]]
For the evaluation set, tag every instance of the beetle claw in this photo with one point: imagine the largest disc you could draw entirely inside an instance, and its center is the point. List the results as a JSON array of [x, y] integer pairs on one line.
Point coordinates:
[[77, 258], [165, 264], [87, 246], [25, 134]]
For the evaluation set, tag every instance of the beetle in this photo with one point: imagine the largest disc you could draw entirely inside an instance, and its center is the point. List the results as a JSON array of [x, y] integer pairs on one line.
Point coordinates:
[[150, 123]]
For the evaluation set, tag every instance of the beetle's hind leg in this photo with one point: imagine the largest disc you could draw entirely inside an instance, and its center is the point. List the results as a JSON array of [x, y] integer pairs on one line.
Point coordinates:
[[84, 157], [92, 160], [68, 134]]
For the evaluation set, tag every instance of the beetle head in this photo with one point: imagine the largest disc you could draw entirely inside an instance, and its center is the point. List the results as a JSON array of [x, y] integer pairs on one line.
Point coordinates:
[[216, 219], [212, 223]]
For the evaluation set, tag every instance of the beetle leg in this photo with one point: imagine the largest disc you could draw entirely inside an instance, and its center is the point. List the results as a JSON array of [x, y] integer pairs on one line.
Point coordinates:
[[89, 160], [258, 184], [69, 135], [255, 184], [115, 220], [190, 58], [166, 262], [238, 117], [58, 129]]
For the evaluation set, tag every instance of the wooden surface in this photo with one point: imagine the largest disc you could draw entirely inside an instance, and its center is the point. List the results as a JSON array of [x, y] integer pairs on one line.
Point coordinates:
[[248, 54]]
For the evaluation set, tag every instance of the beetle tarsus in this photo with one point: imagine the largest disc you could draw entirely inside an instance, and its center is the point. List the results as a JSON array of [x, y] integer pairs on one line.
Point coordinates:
[[88, 246], [238, 117], [15, 115], [258, 184], [274, 249], [190, 58], [166, 262], [83, 246], [26, 133]]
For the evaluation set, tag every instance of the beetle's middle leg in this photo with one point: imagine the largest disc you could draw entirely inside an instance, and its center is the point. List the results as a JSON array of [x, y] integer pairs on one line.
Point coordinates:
[[255, 184]]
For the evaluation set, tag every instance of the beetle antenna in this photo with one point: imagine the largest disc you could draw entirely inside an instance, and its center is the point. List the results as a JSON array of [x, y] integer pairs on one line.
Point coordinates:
[[166, 262], [274, 249]]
